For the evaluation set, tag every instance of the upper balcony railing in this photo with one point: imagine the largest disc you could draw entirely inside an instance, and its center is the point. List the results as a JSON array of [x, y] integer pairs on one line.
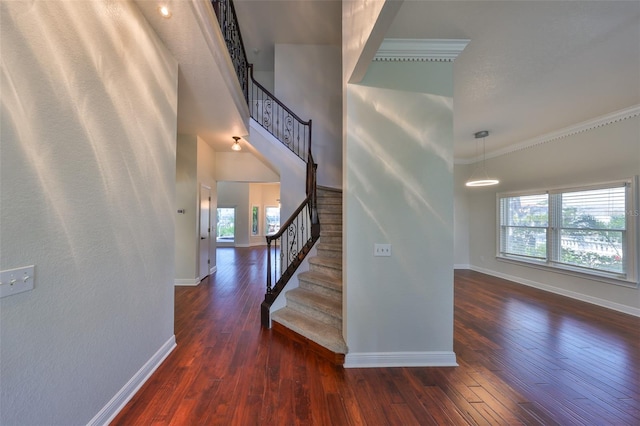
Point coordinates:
[[228, 21]]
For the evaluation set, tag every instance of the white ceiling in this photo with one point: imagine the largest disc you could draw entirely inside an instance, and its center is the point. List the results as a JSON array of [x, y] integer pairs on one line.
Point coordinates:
[[531, 67]]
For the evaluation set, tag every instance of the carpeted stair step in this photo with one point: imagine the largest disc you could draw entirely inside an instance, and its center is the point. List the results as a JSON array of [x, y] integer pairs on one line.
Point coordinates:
[[330, 237], [326, 265], [330, 218], [321, 283], [329, 250], [326, 309], [333, 227], [316, 331]]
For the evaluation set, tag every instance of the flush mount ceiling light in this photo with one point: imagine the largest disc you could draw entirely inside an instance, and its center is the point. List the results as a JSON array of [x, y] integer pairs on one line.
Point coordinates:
[[479, 177], [164, 11], [236, 146]]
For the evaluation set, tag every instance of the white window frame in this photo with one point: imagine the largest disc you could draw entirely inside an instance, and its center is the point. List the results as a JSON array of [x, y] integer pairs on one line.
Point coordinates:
[[629, 277]]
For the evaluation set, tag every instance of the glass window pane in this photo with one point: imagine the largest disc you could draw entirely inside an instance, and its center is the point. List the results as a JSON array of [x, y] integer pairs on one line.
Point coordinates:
[[522, 241], [225, 227], [272, 215], [594, 209], [526, 210], [595, 249]]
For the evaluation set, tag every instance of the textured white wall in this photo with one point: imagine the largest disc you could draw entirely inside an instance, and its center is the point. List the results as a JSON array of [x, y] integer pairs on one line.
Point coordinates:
[[599, 155], [307, 80], [242, 167], [399, 190], [88, 139]]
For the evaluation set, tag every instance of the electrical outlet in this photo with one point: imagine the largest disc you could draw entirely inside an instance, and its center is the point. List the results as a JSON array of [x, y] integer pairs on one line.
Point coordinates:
[[382, 250]]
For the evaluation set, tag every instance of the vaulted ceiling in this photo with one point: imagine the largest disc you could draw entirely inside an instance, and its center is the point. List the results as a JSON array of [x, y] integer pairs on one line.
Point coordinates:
[[530, 68]]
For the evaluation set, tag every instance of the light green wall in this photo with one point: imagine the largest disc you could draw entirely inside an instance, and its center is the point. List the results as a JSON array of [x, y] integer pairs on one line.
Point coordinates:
[[186, 251], [399, 190]]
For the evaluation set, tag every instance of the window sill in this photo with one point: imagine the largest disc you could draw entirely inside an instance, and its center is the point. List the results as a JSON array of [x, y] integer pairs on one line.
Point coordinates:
[[566, 270]]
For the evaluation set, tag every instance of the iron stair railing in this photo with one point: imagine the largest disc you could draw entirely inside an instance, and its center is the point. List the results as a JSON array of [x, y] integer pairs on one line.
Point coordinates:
[[276, 118], [287, 248], [228, 21]]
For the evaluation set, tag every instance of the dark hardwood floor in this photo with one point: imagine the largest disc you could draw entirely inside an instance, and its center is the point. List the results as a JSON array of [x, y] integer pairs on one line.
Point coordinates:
[[526, 357]]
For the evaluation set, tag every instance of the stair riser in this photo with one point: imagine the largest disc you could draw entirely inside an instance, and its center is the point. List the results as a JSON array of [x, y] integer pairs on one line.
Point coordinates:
[[333, 227], [335, 241], [330, 271], [319, 288], [334, 254], [330, 219], [312, 312], [334, 207]]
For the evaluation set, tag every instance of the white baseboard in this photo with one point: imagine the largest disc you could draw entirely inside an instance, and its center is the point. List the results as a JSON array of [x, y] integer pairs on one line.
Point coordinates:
[[187, 282], [400, 359], [124, 395], [568, 293], [213, 269], [461, 266]]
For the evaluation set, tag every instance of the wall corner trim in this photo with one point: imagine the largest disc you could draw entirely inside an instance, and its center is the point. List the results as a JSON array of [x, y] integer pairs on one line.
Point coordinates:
[[124, 395], [400, 359], [420, 50]]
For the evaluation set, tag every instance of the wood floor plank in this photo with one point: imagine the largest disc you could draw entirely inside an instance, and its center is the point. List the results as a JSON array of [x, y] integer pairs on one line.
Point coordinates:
[[525, 357]]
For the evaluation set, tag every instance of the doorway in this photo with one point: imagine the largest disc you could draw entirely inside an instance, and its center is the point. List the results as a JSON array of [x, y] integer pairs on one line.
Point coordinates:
[[225, 226]]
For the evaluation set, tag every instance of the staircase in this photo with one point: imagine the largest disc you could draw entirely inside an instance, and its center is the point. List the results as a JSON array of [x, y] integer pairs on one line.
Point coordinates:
[[313, 314]]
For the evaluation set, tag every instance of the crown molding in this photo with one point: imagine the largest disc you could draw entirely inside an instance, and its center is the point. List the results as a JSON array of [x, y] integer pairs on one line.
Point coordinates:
[[585, 126], [420, 50]]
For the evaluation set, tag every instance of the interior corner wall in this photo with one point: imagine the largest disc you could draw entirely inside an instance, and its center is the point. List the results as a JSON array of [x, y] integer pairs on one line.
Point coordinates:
[[399, 191], [307, 80], [207, 177], [602, 154], [88, 140], [265, 78], [187, 238]]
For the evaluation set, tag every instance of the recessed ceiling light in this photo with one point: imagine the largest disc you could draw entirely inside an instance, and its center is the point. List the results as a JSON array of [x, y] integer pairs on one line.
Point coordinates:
[[164, 11]]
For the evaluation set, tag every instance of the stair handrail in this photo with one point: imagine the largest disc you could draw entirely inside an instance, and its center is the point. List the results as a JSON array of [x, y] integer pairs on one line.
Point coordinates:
[[291, 244], [278, 119], [300, 231]]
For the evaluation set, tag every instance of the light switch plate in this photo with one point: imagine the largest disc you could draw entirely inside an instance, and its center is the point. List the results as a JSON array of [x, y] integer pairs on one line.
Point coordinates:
[[14, 281]]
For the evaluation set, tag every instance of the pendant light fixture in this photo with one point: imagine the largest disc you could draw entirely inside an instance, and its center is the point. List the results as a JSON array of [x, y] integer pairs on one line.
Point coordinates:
[[479, 177], [236, 146]]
